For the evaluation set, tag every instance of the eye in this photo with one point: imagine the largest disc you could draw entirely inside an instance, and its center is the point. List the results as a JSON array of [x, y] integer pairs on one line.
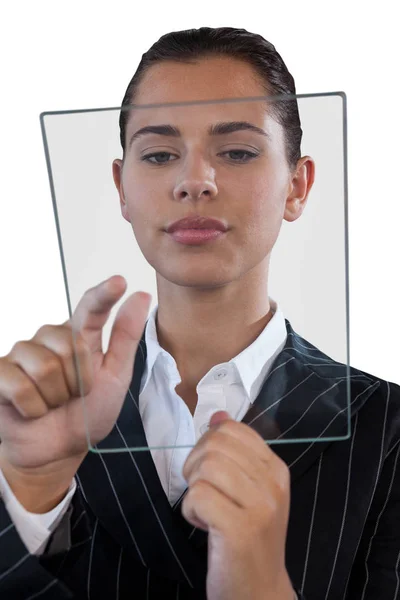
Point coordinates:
[[236, 156], [163, 155], [250, 155]]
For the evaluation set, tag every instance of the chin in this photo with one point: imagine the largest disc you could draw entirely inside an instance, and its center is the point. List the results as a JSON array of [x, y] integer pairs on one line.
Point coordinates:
[[204, 283], [197, 280]]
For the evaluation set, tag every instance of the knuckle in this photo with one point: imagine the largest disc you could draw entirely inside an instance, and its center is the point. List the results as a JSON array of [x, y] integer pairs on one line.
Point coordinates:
[[89, 294], [22, 391], [44, 331], [46, 369], [65, 349], [18, 347], [197, 490]]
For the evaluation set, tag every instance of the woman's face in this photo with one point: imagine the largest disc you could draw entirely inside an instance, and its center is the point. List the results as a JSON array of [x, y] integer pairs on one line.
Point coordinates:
[[241, 178]]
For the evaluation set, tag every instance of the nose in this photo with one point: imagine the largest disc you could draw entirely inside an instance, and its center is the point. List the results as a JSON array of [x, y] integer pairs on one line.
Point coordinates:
[[197, 181]]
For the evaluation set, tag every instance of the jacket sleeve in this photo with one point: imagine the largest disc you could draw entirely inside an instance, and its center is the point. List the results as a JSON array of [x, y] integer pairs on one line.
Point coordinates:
[[23, 575], [34, 529], [376, 569]]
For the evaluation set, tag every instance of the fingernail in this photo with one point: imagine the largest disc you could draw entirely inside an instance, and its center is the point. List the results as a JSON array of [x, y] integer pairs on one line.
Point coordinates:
[[219, 417]]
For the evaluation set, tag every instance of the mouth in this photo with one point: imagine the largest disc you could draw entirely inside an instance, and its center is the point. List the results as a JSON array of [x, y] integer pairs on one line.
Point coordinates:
[[197, 222], [196, 230], [193, 237]]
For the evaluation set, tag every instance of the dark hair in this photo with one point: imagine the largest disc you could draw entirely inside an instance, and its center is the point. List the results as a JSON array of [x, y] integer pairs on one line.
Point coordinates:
[[192, 44]]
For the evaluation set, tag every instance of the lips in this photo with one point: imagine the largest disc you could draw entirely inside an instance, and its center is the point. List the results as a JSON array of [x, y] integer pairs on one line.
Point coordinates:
[[197, 222]]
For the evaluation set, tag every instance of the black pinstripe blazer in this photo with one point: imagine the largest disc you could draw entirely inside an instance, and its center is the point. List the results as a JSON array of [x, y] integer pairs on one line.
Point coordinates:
[[121, 539]]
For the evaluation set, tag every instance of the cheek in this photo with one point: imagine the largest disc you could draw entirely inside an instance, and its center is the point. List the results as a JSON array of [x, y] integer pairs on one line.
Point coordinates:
[[141, 198], [262, 207], [142, 217]]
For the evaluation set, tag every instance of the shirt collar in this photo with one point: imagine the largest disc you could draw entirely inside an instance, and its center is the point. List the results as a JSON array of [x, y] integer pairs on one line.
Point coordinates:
[[249, 364], [153, 347], [258, 357]]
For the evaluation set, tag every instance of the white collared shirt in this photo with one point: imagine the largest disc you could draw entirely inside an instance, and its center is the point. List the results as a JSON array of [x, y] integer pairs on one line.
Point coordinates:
[[232, 386]]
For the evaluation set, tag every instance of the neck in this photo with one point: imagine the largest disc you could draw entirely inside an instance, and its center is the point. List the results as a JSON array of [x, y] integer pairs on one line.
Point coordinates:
[[201, 328]]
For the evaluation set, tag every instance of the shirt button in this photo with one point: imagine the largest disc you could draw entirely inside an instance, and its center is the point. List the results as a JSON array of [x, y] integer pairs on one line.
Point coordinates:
[[220, 374]]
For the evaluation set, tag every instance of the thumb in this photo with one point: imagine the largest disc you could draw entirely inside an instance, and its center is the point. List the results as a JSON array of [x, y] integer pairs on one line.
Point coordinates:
[[125, 336], [219, 417]]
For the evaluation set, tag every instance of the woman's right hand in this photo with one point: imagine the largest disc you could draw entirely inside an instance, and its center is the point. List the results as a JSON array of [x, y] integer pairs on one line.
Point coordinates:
[[42, 422]]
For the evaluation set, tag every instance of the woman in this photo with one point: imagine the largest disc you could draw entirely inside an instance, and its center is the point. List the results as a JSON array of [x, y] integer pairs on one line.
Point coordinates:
[[316, 520]]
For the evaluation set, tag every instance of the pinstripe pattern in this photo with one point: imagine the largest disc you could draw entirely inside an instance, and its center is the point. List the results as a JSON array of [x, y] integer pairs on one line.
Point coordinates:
[[89, 575], [396, 592], [119, 574], [78, 519], [43, 591], [10, 526], [345, 508], [6, 573], [122, 512], [343, 537], [377, 525], [311, 524], [376, 483], [323, 431], [155, 512]]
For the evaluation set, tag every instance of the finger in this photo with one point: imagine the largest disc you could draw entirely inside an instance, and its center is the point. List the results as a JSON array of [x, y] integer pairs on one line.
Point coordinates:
[[219, 417], [225, 475], [73, 353], [94, 308], [243, 433], [248, 448], [246, 435], [251, 462], [125, 336], [45, 370], [205, 507], [17, 389]]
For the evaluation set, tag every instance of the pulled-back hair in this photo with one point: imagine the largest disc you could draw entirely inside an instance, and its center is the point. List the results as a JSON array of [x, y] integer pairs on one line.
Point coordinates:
[[192, 44]]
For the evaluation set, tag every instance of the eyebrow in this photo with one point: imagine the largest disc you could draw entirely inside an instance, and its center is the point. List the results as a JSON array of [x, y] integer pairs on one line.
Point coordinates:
[[222, 128]]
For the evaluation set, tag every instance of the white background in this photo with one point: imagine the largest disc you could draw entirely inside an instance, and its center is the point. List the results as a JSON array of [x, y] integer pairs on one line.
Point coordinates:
[[80, 54]]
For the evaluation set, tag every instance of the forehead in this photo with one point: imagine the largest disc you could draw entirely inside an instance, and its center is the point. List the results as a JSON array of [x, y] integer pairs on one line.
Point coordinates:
[[204, 81]]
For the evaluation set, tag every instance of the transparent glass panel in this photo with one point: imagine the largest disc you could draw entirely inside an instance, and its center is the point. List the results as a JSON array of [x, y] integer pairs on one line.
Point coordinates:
[[208, 158]]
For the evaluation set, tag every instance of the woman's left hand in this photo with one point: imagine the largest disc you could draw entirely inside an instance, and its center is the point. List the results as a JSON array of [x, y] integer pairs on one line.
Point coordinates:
[[239, 491]]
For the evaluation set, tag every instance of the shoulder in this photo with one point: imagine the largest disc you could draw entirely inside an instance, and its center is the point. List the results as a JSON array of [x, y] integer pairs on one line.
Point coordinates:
[[377, 400], [382, 409]]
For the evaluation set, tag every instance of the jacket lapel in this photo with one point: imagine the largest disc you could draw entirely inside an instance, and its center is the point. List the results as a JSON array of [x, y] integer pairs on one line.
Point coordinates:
[[125, 493], [310, 398], [306, 396]]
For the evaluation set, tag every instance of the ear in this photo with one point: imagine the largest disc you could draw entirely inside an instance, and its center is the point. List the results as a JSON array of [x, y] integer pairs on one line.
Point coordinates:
[[300, 186], [117, 175]]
